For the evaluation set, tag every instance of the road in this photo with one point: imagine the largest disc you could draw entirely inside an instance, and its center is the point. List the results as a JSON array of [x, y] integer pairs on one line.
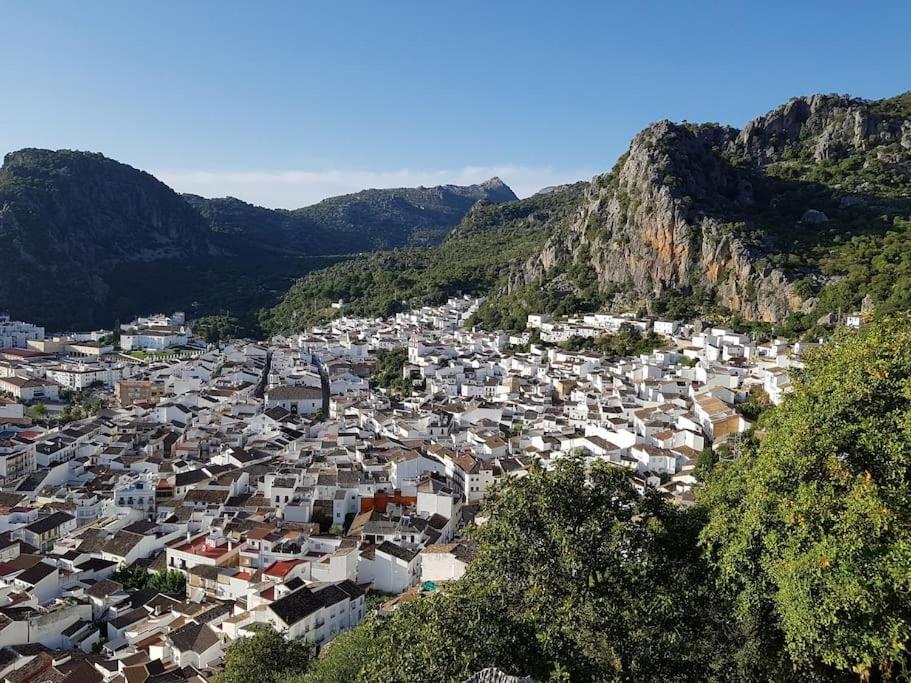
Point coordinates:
[[261, 385], [324, 381]]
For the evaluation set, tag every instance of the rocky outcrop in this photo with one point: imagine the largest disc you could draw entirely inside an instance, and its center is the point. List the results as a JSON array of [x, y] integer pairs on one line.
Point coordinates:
[[641, 234], [825, 126], [675, 214]]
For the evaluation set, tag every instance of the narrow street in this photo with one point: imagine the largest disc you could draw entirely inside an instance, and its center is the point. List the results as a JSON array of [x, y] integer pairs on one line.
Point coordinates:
[[261, 385], [324, 381]]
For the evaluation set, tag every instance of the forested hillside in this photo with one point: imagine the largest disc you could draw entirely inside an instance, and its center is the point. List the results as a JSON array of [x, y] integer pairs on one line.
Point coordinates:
[[475, 258], [369, 220], [86, 240], [802, 213]]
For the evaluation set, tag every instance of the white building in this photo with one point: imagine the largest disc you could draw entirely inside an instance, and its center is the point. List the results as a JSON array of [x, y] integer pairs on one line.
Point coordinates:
[[16, 334], [316, 615], [30, 389], [153, 339], [295, 399], [136, 493], [81, 375]]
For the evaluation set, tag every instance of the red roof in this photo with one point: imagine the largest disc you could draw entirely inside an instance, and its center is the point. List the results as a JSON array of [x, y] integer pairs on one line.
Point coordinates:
[[200, 546], [280, 568], [6, 569]]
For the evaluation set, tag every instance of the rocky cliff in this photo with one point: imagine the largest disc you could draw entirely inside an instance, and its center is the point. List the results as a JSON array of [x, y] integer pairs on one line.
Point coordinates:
[[705, 209]]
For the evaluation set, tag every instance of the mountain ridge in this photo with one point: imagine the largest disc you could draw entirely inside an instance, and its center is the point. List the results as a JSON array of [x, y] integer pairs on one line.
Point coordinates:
[[706, 207], [758, 224], [367, 220], [97, 239]]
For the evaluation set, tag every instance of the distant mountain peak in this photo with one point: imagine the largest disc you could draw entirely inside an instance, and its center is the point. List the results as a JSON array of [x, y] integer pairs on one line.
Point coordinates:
[[497, 191]]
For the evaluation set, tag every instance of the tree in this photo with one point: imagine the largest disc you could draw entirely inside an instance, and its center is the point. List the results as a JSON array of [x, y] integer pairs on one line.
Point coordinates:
[[810, 530], [576, 577], [756, 404], [705, 462], [388, 371], [266, 657], [135, 577], [168, 581], [346, 657]]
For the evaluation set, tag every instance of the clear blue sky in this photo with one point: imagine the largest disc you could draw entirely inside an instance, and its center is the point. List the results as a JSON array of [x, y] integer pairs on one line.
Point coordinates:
[[282, 103]]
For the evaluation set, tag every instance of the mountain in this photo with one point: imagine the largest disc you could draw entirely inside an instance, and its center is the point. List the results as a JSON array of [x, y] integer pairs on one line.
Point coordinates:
[[746, 221], [67, 218], [86, 240], [491, 241], [804, 212], [370, 220]]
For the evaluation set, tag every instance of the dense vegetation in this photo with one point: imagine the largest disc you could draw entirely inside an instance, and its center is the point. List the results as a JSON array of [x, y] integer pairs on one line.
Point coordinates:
[[227, 286], [827, 206], [98, 241], [170, 582], [627, 341], [66, 218], [576, 578], [387, 371], [369, 220], [265, 657], [474, 259], [809, 531], [793, 566]]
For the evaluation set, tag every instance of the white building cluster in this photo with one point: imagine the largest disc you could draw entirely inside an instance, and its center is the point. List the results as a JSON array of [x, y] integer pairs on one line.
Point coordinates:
[[284, 484]]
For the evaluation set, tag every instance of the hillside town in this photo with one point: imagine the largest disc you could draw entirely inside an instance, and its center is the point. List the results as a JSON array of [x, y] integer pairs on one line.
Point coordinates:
[[304, 482]]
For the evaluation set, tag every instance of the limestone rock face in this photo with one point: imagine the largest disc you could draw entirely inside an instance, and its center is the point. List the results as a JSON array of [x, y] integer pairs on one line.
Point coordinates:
[[639, 231], [829, 124], [666, 217]]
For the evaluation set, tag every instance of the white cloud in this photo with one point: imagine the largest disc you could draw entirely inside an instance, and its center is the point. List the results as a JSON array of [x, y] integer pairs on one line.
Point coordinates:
[[293, 189]]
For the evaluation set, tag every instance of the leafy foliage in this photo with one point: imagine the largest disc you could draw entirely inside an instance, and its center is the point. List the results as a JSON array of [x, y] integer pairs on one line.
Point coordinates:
[[388, 368], [627, 341], [810, 530], [346, 657], [576, 578], [473, 259], [756, 404], [266, 657], [168, 581], [215, 328]]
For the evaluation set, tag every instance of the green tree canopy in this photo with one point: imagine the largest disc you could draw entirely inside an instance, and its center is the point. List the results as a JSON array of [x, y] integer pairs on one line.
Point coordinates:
[[577, 577], [135, 577], [387, 373], [266, 657], [811, 529]]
